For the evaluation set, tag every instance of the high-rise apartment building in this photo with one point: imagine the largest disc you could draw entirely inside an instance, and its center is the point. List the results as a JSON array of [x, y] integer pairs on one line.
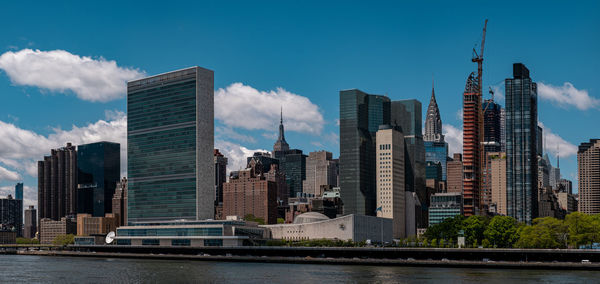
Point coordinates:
[[360, 117], [503, 130], [170, 122], [98, 171], [57, 184], [19, 191], [455, 174], [588, 171], [472, 139], [269, 166], [249, 192], [11, 215], [390, 178], [321, 170], [30, 227], [492, 126], [498, 181], [220, 175], [521, 145]]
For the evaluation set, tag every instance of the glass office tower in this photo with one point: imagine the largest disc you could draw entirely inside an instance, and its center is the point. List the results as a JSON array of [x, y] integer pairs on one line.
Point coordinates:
[[521, 145], [360, 117], [437, 152], [98, 171], [170, 121]]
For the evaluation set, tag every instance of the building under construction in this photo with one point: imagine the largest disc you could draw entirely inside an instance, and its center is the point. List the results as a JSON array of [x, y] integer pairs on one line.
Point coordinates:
[[473, 136]]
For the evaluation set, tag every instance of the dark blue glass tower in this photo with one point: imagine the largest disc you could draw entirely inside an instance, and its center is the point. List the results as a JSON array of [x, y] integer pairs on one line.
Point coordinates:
[[521, 145], [98, 171], [19, 191]]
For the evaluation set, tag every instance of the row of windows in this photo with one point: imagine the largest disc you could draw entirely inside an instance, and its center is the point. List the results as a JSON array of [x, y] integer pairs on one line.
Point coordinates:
[[170, 232]]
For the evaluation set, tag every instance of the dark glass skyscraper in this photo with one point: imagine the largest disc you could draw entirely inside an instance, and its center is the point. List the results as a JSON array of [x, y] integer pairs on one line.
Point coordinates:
[[170, 121], [521, 145], [492, 127], [19, 191], [98, 171], [407, 114], [11, 215], [360, 117]]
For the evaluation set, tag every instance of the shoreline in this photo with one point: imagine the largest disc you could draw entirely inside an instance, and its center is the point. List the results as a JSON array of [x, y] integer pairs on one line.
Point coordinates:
[[331, 261]]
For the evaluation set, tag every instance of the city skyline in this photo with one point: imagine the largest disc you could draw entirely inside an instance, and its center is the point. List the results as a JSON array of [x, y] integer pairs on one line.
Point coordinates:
[[40, 115]]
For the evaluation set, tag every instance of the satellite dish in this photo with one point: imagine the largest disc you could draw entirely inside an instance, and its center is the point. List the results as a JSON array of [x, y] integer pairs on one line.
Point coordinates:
[[110, 237]]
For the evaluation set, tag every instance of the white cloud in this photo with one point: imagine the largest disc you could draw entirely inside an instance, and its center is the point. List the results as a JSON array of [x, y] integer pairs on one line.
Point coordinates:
[[454, 137], [8, 175], [91, 79], [567, 95], [242, 106], [228, 133], [554, 144], [498, 92], [459, 114], [271, 135], [235, 153]]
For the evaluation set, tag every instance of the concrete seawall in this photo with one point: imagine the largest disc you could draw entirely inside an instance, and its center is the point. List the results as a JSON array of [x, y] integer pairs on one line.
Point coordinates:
[[327, 260]]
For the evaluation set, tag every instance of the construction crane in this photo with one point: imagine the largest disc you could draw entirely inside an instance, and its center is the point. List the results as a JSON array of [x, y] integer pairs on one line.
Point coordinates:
[[479, 57], [482, 159]]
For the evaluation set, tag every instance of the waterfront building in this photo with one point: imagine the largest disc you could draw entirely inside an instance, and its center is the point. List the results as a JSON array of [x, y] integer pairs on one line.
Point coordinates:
[[11, 215], [8, 237], [521, 145], [390, 178], [249, 192], [19, 191], [316, 226], [472, 139], [360, 117], [329, 204], [30, 227], [200, 233], [444, 206], [119, 202], [498, 182], [170, 162], [321, 170], [50, 229], [548, 204], [588, 172], [98, 170], [567, 202], [88, 225], [220, 175], [455, 174], [57, 184]]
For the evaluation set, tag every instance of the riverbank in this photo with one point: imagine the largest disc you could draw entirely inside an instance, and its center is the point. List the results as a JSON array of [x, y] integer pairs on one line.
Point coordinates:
[[327, 260]]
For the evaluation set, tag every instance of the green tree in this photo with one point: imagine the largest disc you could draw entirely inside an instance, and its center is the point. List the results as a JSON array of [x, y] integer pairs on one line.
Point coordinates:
[[26, 241], [447, 229], [502, 231], [545, 232], [583, 228], [280, 220], [63, 240], [474, 227]]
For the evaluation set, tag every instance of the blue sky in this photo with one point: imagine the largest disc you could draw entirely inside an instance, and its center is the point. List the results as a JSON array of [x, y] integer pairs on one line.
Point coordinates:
[[295, 54]]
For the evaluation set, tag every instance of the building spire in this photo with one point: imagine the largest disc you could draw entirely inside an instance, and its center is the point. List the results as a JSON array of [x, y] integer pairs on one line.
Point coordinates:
[[281, 144], [433, 120]]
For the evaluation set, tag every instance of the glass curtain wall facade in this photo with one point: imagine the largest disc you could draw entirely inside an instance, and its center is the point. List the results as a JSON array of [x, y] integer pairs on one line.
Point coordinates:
[[360, 117], [521, 145], [170, 146], [98, 171], [437, 152]]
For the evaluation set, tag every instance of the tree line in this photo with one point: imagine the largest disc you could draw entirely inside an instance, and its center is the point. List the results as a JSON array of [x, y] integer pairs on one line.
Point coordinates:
[[576, 230]]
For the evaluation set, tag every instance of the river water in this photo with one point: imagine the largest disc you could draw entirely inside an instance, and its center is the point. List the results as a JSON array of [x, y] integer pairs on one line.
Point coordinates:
[[48, 269]]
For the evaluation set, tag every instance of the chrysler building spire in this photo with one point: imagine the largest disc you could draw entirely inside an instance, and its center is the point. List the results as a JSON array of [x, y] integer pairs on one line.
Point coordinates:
[[433, 121]]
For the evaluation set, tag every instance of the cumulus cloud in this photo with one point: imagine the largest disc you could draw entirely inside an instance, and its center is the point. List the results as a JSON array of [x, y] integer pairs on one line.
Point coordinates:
[[8, 175], [91, 79], [242, 106], [459, 114], [236, 154], [554, 144], [21, 148], [228, 133], [454, 137], [567, 95]]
